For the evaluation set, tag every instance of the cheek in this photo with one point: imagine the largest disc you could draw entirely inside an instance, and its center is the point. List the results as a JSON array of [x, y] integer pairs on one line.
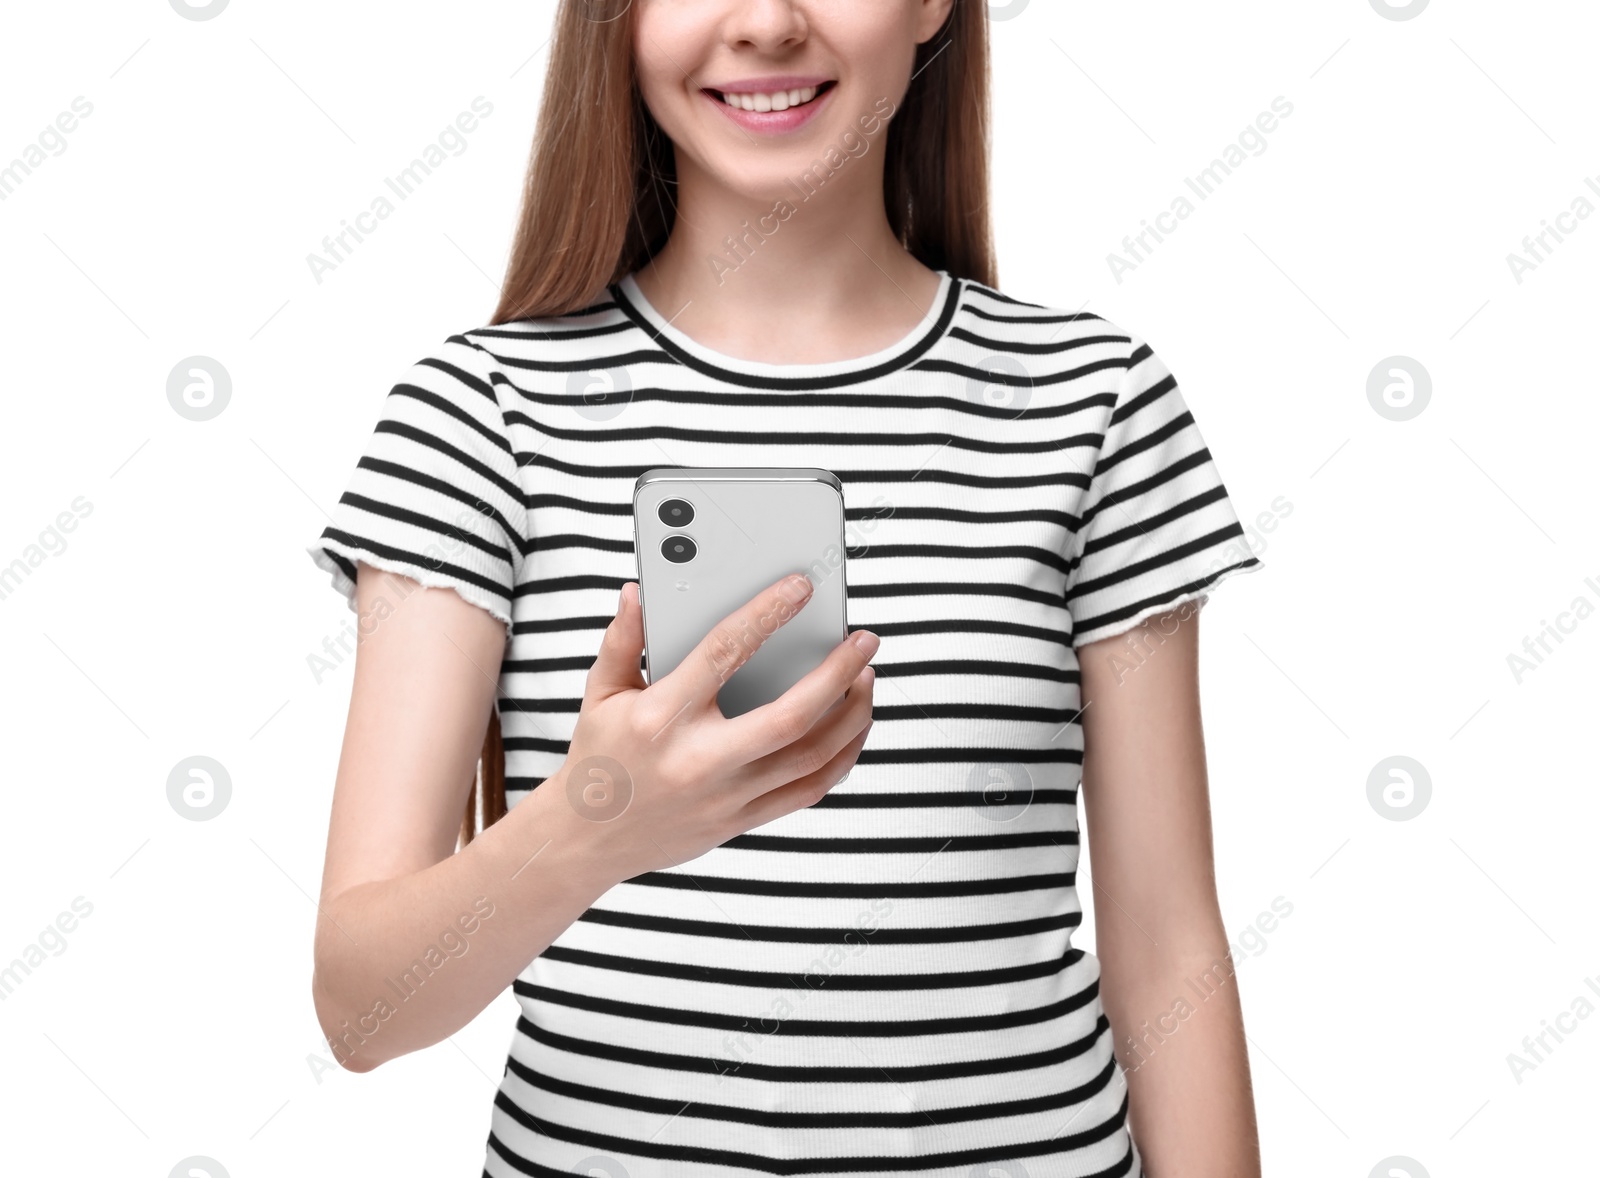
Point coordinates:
[[879, 53], [662, 38]]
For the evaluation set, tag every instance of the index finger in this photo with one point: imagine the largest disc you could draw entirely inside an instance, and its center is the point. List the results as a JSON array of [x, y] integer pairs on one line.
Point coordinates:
[[732, 641]]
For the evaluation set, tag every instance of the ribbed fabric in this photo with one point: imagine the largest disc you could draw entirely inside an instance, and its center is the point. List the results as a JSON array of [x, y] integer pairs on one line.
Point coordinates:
[[885, 982]]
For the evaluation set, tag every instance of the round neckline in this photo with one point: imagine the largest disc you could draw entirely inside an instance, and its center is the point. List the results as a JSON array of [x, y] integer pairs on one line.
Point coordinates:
[[904, 351]]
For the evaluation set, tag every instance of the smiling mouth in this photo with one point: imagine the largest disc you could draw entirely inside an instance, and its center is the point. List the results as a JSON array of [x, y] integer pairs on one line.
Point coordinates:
[[774, 101]]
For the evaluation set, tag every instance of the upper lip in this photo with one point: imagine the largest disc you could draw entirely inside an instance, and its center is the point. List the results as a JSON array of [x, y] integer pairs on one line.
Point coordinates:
[[769, 84]]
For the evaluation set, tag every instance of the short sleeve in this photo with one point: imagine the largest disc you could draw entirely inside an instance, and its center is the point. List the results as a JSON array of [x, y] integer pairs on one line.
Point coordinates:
[[435, 495], [1157, 527]]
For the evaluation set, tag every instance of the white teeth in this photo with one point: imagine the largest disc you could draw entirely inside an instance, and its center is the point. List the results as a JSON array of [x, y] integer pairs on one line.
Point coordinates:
[[778, 100]]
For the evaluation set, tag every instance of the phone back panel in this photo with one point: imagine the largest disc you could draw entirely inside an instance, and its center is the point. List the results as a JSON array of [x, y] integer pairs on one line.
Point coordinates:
[[750, 527]]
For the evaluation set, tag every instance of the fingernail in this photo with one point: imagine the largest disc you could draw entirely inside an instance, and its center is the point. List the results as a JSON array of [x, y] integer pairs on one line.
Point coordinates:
[[866, 641], [797, 588]]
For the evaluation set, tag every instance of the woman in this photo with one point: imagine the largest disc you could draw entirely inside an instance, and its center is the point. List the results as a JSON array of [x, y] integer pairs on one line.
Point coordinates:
[[756, 233]]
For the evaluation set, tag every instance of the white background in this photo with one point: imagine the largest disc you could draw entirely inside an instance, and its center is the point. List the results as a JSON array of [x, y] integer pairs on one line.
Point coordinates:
[[1417, 556]]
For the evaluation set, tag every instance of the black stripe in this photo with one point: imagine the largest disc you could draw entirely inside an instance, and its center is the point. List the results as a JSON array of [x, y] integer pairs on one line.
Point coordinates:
[[832, 890], [954, 934], [1132, 491], [1149, 397], [1033, 380], [615, 437], [839, 980], [1050, 478], [1139, 445], [866, 1072], [1160, 519], [1085, 625], [1049, 347], [917, 348], [846, 1119], [793, 1025], [991, 293], [1135, 569], [921, 402], [1063, 1146], [1073, 317], [422, 438], [387, 552], [882, 756], [427, 523]]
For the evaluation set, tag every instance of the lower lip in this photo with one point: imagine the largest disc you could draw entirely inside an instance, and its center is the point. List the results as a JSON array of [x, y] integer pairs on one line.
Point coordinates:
[[773, 122]]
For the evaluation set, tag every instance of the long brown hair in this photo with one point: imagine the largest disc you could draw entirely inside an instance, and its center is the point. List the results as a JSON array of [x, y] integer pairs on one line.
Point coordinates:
[[598, 205]]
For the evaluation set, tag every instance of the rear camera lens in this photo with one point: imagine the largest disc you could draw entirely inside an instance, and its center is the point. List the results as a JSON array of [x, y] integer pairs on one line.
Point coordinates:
[[678, 549], [676, 513]]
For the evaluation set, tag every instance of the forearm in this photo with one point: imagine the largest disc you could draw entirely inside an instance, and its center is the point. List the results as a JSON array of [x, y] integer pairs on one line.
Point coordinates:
[[403, 963], [1179, 1033]]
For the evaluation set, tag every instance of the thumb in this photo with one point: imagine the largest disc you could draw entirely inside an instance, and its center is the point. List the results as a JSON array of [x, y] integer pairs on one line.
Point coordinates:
[[617, 666]]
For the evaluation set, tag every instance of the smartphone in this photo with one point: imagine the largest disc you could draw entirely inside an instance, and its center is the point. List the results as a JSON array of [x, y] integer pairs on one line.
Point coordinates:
[[709, 538]]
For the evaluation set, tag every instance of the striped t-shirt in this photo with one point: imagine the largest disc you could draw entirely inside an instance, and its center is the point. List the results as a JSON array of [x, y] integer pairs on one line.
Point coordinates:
[[884, 982]]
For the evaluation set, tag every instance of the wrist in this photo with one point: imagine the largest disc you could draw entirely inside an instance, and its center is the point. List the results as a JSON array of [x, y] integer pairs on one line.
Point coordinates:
[[576, 843]]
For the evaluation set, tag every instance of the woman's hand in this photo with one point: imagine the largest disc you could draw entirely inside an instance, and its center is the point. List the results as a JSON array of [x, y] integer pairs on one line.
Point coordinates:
[[664, 776]]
